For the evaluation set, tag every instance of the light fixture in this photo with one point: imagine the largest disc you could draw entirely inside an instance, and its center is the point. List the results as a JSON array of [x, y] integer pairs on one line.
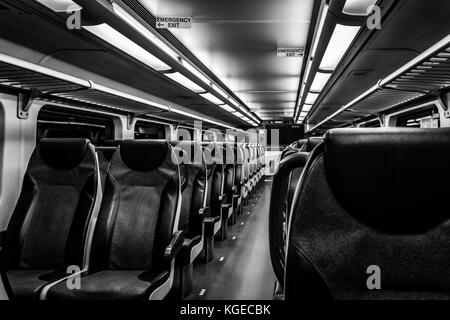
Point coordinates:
[[340, 41], [60, 5], [311, 98], [320, 80], [125, 16], [185, 82], [195, 72], [221, 92], [323, 16], [235, 103], [118, 40], [227, 108], [212, 98], [306, 108], [358, 7], [319, 30]]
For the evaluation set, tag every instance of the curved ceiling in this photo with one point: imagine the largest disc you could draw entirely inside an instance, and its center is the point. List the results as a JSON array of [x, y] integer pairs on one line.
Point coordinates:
[[238, 40]]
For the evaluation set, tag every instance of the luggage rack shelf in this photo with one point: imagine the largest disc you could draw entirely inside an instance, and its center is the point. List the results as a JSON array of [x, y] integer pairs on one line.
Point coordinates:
[[44, 83], [427, 74]]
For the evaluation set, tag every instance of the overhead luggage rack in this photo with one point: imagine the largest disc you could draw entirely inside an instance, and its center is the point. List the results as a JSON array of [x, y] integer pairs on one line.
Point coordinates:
[[427, 74], [39, 82]]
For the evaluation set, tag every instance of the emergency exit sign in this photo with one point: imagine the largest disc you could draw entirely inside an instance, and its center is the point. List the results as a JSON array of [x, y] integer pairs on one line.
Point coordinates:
[[173, 22], [290, 52]]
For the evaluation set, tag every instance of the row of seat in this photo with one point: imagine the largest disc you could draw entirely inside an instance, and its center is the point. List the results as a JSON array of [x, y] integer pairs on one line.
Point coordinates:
[[128, 218], [367, 220]]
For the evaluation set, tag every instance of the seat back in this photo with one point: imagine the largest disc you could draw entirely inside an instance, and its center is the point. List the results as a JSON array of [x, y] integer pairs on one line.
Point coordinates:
[[229, 170], [214, 157], [49, 225], [239, 177], [140, 207], [372, 198], [190, 155], [311, 143]]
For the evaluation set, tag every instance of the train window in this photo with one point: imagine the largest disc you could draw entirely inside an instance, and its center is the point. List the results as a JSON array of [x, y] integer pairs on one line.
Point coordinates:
[[148, 130], [428, 118], [55, 122], [185, 133], [208, 136]]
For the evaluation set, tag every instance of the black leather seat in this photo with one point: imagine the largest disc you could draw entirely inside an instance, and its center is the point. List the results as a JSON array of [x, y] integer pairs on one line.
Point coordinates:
[[229, 184], [295, 146], [279, 213], [215, 199], [50, 222], [193, 211], [311, 143], [239, 179], [136, 239], [372, 197]]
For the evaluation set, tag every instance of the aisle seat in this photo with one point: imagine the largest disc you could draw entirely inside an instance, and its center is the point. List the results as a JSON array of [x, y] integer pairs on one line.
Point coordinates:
[[370, 217]]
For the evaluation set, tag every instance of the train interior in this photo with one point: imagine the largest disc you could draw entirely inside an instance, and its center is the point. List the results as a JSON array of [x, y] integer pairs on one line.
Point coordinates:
[[224, 150]]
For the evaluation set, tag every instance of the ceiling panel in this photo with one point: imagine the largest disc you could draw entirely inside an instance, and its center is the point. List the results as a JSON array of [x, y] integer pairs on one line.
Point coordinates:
[[237, 41]]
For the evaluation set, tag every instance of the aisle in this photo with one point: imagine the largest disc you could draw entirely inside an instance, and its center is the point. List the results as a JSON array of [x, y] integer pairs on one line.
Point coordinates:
[[241, 269]]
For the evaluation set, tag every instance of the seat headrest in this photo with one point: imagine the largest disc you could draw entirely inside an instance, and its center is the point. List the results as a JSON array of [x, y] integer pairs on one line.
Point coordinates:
[[193, 152], [214, 154], [395, 180], [311, 143], [143, 155], [300, 143], [64, 153]]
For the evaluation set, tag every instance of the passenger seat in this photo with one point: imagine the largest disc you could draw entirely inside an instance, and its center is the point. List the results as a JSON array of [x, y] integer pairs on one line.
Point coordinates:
[[193, 212], [136, 239], [49, 226], [371, 219]]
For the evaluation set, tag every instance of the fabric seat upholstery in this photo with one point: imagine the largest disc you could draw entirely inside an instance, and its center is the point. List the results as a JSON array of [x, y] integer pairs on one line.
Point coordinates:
[[372, 197]]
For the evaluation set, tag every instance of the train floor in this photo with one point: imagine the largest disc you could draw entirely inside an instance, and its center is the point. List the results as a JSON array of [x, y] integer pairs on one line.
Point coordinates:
[[241, 268]]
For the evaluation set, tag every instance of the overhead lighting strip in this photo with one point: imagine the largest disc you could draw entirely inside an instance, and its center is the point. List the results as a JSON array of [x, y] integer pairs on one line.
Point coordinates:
[[121, 42], [340, 41]]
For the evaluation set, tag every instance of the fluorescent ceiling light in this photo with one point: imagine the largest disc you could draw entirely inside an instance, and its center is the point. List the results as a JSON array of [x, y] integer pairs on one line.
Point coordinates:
[[306, 108], [212, 98], [221, 92], [185, 82], [118, 40], [319, 29], [320, 80], [227, 108], [358, 7], [196, 72], [340, 41], [60, 5], [235, 103], [311, 98], [124, 15]]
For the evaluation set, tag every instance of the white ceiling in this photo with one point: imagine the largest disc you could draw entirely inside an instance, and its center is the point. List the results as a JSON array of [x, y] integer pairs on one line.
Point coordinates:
[[237, 41]]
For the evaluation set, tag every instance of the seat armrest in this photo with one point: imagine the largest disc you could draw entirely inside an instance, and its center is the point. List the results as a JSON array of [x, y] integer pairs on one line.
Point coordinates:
[[189, 243], [209, 225], [174, 246], [225, 211], [157, 280]]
